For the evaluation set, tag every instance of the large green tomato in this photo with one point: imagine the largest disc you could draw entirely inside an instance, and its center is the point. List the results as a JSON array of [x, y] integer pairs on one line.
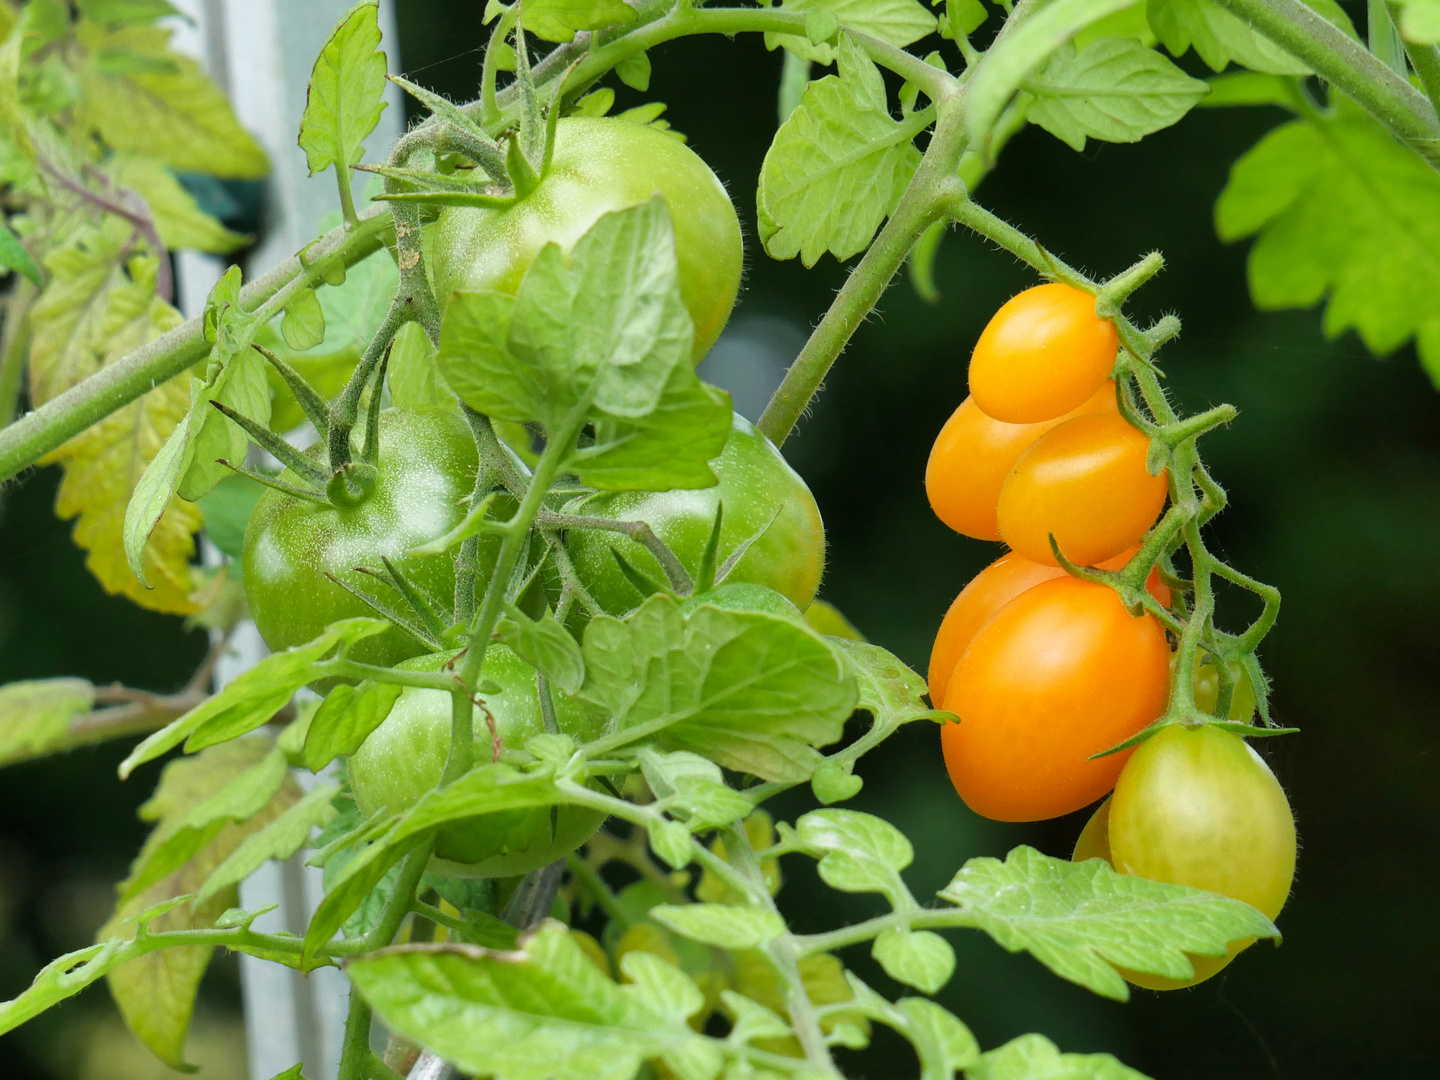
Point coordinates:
[[405, 757], [426, 469], [600, 166], [1198, 807], [754, 483]]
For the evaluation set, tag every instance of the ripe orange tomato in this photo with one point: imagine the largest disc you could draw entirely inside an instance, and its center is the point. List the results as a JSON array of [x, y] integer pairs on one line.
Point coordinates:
[[1085, 481], [1198, 807], [1043, 354], [974, 453], [990, 590], [1061, 672]]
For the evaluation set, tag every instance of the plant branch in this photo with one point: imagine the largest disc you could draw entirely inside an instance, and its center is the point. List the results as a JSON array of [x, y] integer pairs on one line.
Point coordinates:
[[1425, 59], [639, 531]]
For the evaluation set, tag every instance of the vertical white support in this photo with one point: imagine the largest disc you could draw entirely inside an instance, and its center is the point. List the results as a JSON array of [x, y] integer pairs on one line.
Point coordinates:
[[261, 53]]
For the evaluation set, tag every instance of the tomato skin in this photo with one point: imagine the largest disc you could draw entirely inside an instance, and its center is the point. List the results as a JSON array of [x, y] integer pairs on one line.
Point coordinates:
[[1041, 355], [1085, 482], [990, 590], [1198, 806], [427, 466], [405, 756], [599, 166], [1206, 684], [974, 453], [755, 482], [1061, 672]]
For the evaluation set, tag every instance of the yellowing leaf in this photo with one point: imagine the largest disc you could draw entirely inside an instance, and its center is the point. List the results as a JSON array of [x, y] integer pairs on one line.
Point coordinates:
[[179, 117], [178, 217]]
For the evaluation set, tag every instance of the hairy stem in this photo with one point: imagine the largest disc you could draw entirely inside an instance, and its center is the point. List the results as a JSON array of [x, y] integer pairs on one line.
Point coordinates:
[[1425, 59]]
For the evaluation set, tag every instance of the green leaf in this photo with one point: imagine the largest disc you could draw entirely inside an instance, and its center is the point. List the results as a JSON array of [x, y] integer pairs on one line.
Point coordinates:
[[671, 841], [35, 716], [180, 117], [178, 217], [546, 646], [542, 1012], [1341, 208], [1252, 88], [1080, 919], [1020, 54], [1034, 1057], [227, 508], [862, 853], [752, 692], [345, 719], [13, 255], [292, 1073], [414, 373], [1220, 38], [939, 1036], [252, 698], [280, 839], [1114, 89], [634, 71], [557, 20], [917, 958], [837, 166], [126, 12], [303, 325], [693, 785], [900, 22], [662, 987], [1420, 21], [346, 95], [729, 926]]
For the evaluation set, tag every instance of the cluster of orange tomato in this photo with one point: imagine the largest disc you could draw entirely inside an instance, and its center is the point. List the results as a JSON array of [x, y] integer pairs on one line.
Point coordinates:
[[1045, 670]]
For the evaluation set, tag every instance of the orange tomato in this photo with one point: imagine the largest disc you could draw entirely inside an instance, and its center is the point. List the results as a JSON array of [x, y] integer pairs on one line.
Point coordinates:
[[1084, 481], [1043, 354], [974, 453], [1061, 672]]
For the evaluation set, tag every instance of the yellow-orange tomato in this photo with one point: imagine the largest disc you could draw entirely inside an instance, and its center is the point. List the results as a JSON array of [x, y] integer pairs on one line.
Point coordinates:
[[1061, 672], [990, 590], [1085, 482], [1043, 354], [974, 453]]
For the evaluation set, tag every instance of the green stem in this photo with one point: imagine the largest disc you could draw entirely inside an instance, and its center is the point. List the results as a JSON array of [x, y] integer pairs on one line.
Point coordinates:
[[355, 1050], [351, 669], [347, 194], [399, 904], [1425, 59], [1351, 68], [14, 347]]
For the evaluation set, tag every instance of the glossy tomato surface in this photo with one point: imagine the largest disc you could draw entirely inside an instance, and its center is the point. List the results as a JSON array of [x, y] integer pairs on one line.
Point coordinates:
[[1086, 483], [1044, 352], [426, 470], [974, 453], [599, 166], [405, 757], [1198, 807], [756, 484], [1061, 672]]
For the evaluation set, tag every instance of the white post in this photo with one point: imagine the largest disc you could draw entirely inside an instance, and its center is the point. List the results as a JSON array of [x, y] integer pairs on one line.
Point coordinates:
[[261, 53]]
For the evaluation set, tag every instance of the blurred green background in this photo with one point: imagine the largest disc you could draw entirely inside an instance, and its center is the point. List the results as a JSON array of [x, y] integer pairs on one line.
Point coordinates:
[[1334, 474]]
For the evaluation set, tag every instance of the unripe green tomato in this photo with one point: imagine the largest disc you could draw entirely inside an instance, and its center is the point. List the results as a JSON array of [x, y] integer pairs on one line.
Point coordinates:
[[1197, 806], [1206, 684], [600, 166], [404, 758], [755, 482], [426, 470]]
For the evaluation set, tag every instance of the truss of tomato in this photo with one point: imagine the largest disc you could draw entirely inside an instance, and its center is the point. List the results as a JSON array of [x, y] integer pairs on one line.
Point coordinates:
[[599, 166], [759, 490], [1058, 674], [427, 466], [405, 756]]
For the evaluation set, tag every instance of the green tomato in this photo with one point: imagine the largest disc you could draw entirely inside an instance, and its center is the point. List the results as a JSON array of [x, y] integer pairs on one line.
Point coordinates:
[[754, 483], [600, 166], [405, 756], [1198, 807], [426, 470], [1206, 684]]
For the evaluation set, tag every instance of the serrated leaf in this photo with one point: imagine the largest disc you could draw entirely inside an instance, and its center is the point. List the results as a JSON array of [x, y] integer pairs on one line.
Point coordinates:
[[918, 958], [752, 692], [1034, 1057], [35, 715], [727, 925], [939, 1036], [541, 1012], [900, 22], [345, 719], [557, 20], [1114, 89], [862, 853], [750, 1020], [546, 646], [280, 839], [156, 993], [837, 166], [178, 218], [13, 255], [1342, 209], [181, 118], [1079, 919], [1220, 38], [662, 986], [346, 94]]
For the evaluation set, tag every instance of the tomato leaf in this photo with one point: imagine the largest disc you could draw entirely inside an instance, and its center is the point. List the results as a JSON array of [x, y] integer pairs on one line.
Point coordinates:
[[837, 166], [1079, 919], [303, 324], [557, 20], [694, 786], [179, 220], [1342, 209], [729, 926], [546, 646], [1113, 89], [13, 255], [1034, 1057], [900, 22], [918, 958], [346, 94], [858, 852], [35, 716], [280, 839], [939, 1036], [345, 719]]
